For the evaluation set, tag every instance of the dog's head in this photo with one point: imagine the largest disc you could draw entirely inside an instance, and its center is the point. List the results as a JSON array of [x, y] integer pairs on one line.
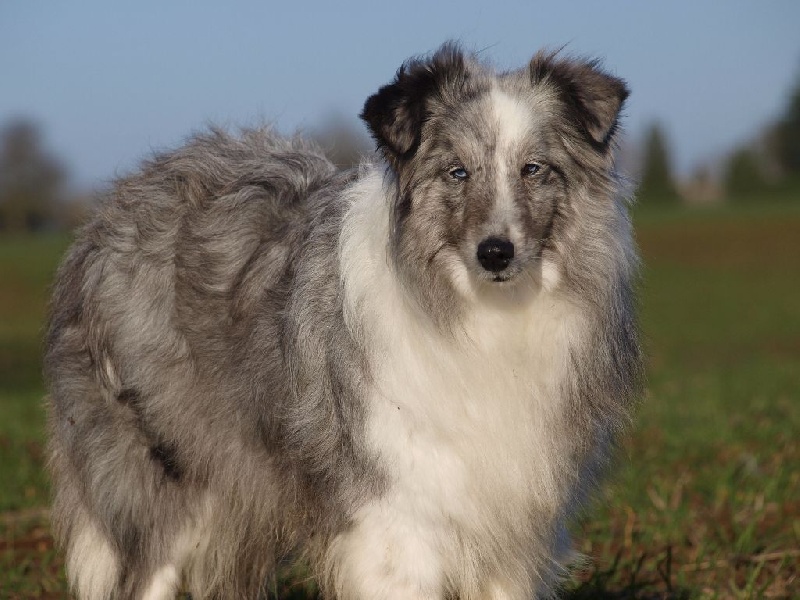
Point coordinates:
[[486, 163]]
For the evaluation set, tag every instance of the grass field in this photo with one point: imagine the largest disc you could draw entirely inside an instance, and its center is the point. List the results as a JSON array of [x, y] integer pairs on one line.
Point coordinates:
[[706, 498]]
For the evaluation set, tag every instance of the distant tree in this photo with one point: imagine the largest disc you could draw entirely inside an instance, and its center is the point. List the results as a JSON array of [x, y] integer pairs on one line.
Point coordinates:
[[343, 141], [743, 176], [657, 184], [787, 135], [30, 179]]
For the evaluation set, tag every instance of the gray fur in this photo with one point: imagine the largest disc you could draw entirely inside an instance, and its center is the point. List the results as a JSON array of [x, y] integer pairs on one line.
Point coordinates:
[[197, 345]]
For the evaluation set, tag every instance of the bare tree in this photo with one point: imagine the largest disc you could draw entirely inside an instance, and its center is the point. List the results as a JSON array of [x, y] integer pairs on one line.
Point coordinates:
[[30, 180]]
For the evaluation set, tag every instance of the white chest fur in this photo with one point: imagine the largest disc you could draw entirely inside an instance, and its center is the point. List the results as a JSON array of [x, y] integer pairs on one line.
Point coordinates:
[[467, 427]]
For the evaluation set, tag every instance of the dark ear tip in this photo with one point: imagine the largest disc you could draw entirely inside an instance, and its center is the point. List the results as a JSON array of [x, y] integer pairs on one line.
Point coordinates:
[[385, 98], [389, 116], [622, 89], [369, 109]]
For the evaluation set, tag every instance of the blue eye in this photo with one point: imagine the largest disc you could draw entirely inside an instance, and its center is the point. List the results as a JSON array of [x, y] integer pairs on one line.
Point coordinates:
[[459, 174], [530, 169]]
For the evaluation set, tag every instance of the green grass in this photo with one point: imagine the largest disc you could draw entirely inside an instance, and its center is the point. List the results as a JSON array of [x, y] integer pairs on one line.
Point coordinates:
[[26, 269], [704, 501]]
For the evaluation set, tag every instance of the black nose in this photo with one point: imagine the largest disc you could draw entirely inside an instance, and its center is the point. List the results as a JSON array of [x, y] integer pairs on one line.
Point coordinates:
[[495, 254]]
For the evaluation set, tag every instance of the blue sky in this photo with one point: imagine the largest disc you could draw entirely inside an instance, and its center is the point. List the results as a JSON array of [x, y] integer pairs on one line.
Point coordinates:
[[109, 83]]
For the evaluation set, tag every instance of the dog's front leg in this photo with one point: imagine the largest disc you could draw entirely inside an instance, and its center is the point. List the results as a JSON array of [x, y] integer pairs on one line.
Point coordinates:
[[385, 554]]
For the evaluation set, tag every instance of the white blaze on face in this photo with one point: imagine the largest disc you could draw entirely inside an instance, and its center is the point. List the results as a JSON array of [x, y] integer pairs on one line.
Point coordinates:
[[513, 122]]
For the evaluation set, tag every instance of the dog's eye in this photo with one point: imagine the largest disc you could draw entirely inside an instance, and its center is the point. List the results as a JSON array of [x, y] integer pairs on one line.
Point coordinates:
[[459, 174], [530, 169]]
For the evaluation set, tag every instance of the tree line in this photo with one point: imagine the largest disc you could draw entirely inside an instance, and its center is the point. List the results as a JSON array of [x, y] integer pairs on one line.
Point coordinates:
[[766, 166]]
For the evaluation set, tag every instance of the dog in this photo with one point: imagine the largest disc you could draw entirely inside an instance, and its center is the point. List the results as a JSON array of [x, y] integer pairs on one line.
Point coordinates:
[[411, 373]]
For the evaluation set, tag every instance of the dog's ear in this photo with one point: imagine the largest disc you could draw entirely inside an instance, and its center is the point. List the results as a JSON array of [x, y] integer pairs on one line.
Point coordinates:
[[593, 97], [395, 115]]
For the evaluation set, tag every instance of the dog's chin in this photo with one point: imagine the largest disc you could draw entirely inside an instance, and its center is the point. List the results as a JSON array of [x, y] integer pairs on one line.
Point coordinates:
[[506, 278], [500, 281], [522, 280], [510, 289]]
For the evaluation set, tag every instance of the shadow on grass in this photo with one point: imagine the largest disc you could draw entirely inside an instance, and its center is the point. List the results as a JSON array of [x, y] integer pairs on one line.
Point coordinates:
[[623, 580]]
